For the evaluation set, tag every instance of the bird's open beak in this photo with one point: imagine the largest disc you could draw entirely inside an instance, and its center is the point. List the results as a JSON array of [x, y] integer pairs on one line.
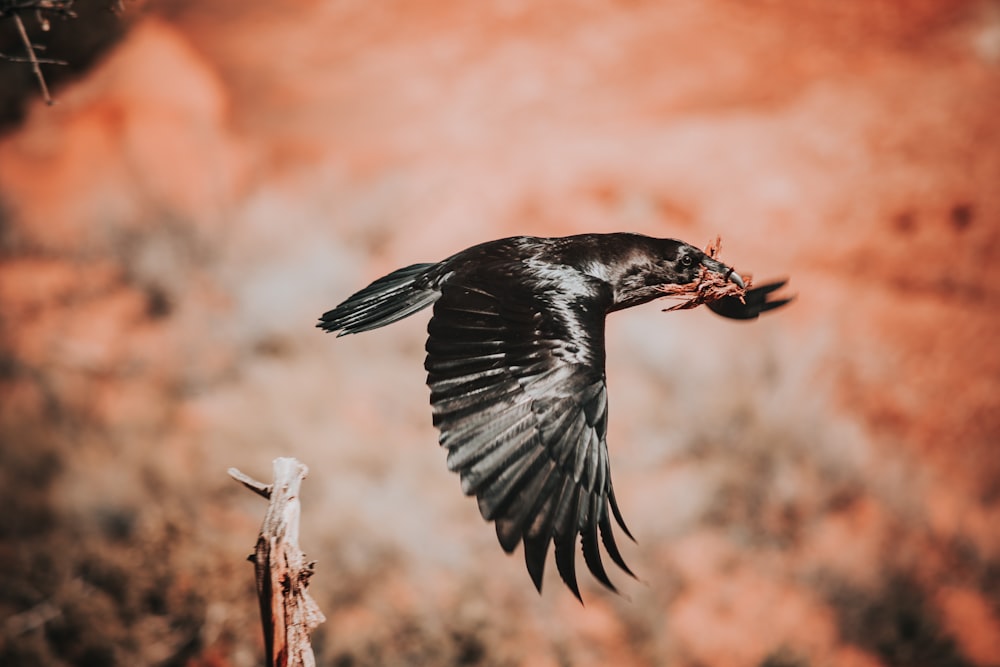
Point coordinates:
[[719, 267]]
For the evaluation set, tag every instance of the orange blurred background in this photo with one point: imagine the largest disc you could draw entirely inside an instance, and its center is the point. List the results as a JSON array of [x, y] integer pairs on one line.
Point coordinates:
[[820, 487]]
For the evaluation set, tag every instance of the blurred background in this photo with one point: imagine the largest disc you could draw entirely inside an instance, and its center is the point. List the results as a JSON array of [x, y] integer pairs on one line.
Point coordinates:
[[820, 487]]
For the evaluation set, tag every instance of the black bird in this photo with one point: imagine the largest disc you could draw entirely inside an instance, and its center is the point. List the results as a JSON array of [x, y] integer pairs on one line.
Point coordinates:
[[515, 363]]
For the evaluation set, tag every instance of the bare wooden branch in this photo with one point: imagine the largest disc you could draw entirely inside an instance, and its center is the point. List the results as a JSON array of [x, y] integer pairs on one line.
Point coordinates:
[[13, 8], [260, 488], [33, 59], [288, 612]]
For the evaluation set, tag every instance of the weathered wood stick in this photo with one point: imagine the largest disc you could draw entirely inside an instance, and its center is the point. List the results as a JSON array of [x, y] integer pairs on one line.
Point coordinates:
[[287, 611]]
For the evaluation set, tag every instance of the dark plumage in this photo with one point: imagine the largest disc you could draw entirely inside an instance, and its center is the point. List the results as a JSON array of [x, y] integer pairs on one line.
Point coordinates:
[[515, 363]]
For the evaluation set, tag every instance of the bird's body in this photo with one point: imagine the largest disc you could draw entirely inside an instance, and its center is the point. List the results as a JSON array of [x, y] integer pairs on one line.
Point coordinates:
[[515, 362]]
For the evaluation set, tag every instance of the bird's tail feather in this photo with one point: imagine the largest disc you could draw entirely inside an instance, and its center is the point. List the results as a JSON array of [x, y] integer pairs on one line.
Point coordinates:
[[385, 301]]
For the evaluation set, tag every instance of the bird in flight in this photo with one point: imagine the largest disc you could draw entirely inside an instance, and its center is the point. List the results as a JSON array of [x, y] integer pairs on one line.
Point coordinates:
[[515, 364]]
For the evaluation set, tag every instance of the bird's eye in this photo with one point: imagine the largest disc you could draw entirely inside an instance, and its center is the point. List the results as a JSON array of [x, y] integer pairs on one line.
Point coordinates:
[[687, 260]]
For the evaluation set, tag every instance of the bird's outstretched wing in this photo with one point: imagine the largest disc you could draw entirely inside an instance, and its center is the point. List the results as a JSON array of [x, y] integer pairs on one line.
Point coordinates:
[[518, 393], [757, 300]]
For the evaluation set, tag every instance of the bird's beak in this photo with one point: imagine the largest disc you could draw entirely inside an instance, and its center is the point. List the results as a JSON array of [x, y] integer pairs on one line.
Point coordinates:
[[719, 267]]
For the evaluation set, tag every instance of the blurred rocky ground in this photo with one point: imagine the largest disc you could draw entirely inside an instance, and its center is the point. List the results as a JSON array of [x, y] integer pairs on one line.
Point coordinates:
[[821, 487]]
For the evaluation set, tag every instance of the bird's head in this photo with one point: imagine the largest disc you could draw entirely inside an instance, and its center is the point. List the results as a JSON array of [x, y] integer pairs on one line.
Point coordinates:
[[658, 265], [686, 266]]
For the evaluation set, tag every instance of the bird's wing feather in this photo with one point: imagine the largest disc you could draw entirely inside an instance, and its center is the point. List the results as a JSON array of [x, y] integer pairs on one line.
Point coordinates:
[[757, 300], [519, 396], [388, 299]]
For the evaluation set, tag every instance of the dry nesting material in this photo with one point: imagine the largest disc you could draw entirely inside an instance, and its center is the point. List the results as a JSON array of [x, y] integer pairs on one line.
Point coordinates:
[[709, 286]]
